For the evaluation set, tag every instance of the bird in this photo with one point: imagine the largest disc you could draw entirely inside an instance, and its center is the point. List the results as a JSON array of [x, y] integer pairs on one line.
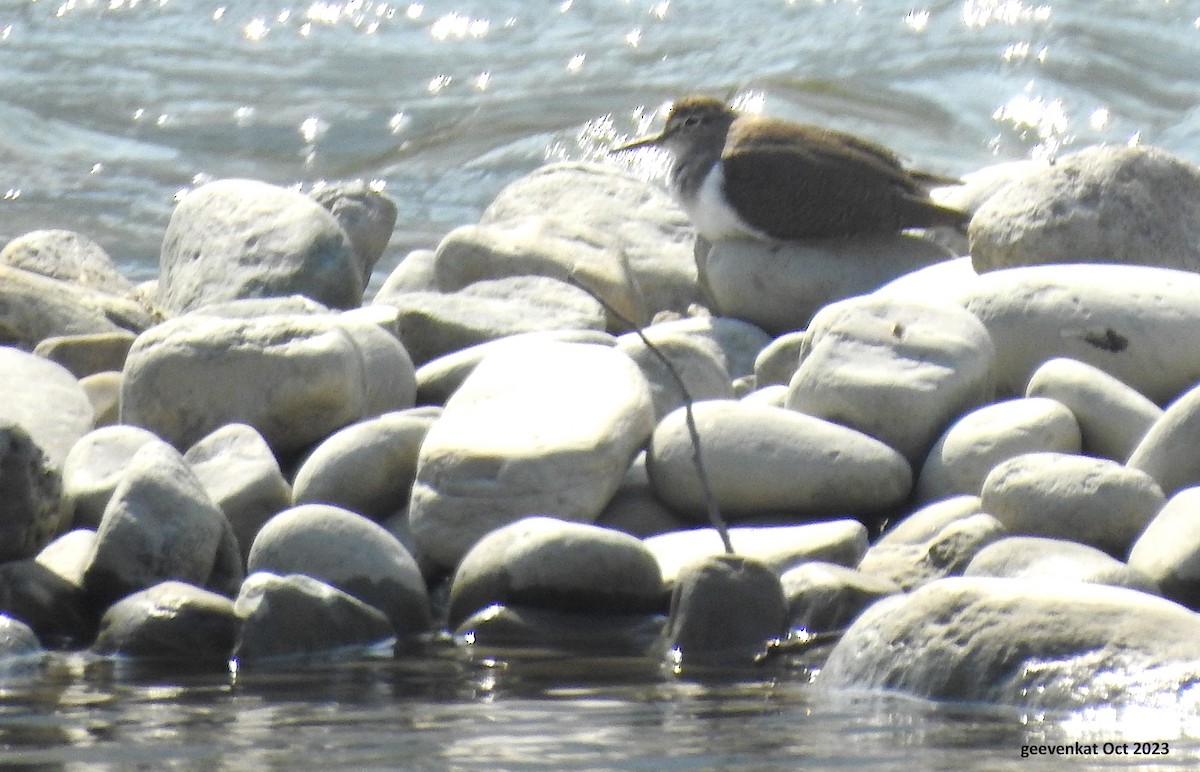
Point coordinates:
[[749, 176]]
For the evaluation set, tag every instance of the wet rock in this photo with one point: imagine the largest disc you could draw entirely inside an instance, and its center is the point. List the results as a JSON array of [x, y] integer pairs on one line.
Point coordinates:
[[1167, 451], [32, 507], [779, 287], [160, 525], [171, 621], [95, 466], [294, 378], [315, 540], [942, 541], [241, 476], [296, 618], [545, 428], [45, 400], [103, 391], [1052, 560], [368, 467], [1089, 500], [366, 215], [1041, 645], [724, 611], [702, 373], [1105, 204], [85, 355], [586, 633], [242, 238], [1139, 324], [53, 606], [777, 362], [974, 444], [762, 460], [825, 597], [435, 324], [781, 547], [898, 371], [1168, 551], [17, 640], [1112, 417]]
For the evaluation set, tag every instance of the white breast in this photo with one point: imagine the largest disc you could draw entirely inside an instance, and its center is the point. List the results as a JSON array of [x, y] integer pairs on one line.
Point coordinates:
[[712, 217]]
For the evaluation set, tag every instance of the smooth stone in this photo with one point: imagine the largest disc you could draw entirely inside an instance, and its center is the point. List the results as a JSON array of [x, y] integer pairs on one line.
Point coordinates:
[[233, 239], [242, 477], [254, 308], [293, 618], [95, 466], [45, 400], [779, 360], [760, 460], [1093, 501], [33, 509], [435, 324], [543, 562], [54, 607], [703, 375], [1168, 551], [103, 391], [613, 637], [1112, 417], [1108, 204], [1055, 560], [160, 525], [774, 395], [926, 522], [980, 185], [896, 370], [1041, 645], [781, 547], [544, 428], [366, 214], [725, 610], [439, 378], [608, 214], [780, 287], [735, 343], [1167, 451], [68, 555], [634, 508], [825, 597], [315, 540], [85, 355], [414, 273], [296, 379], [17, 640], [367, 467], [933, 284], [35, 307], [171, 621], [946, 551], [67, 256], [976, 442], [1139, 324]]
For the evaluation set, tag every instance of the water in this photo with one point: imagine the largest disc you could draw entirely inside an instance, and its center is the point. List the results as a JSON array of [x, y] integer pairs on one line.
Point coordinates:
[[110, 109]]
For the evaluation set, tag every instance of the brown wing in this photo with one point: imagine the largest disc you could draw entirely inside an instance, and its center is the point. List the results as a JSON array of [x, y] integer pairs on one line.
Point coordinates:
[[822, 183]]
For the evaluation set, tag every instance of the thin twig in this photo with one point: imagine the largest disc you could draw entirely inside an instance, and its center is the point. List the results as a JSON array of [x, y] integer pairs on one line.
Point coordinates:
[[714, 511]]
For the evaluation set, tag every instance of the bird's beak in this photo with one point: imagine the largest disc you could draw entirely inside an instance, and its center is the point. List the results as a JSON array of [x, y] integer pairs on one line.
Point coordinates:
[[639, 143]]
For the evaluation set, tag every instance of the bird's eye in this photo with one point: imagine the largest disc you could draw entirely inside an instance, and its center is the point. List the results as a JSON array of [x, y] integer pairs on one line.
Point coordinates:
[[693, 120]]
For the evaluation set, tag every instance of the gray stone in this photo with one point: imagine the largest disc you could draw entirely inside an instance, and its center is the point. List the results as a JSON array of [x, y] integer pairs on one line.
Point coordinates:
[[286, 619], [315, 540], [45, 400], [54, 607], [928, 521], [67, 256], [34, 307], [85, 355], [103, 391], [779, 287], [1139, 324], [735, 342], [368, 467], [725, 610], [294, 378], [414, 273], [242, 238], [171, 621], [32, 507], [774, 395], [242, 477], [1106, 204], [777, 363], [896, 370], [703, 374], [781, 546], [635, 509], [761, 460], [945, 551], [1167, 452], [547, 563], [435, 324], [543, 428], [1112, 417], [68, 555], [95, 466], [17, 640], [161, 525], [366, 215], [1039, 645], [627, 639], [1055, 560], [253, 308], [980, 185], [975, 443], [825, 597], [933, 284], [1168, 551], [1089, 500]]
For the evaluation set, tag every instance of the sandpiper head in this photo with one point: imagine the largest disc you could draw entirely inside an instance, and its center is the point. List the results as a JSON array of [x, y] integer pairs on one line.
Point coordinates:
[[692, 121]]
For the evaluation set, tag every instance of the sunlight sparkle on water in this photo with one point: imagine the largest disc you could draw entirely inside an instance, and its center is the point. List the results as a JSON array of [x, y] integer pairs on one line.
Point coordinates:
[[459, 27], [981, 13]]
